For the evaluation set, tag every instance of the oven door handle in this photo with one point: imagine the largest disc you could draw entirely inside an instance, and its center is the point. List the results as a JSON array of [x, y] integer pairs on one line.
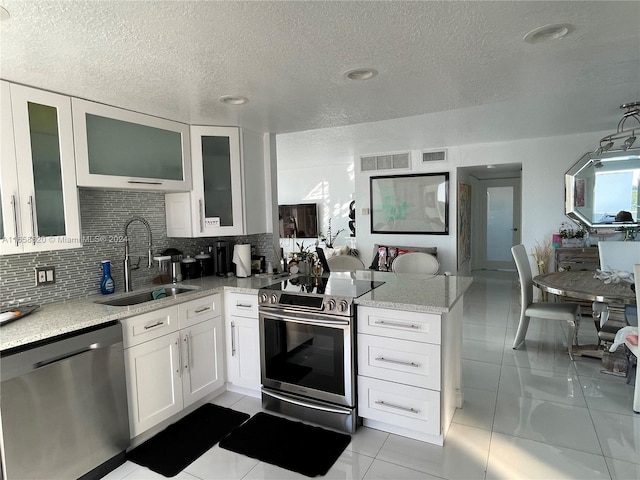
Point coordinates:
[[295, 317], [315, 406]]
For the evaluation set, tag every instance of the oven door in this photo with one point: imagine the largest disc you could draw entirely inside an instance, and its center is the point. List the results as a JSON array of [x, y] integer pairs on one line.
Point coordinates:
[[309, 355]]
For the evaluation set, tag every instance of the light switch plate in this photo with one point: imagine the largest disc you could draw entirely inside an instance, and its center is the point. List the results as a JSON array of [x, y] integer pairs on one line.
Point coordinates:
[[45, 275]]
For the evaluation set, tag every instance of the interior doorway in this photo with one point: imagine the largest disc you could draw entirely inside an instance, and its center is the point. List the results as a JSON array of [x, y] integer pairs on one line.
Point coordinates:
[[495, 214]]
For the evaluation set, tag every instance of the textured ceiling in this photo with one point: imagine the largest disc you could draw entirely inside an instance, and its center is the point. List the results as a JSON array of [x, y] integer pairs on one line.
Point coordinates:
[[175, 58]]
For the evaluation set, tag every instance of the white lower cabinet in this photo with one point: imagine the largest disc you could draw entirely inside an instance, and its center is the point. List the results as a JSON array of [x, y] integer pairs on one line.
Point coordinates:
[[175, 359], [243, 342], [409, 379]]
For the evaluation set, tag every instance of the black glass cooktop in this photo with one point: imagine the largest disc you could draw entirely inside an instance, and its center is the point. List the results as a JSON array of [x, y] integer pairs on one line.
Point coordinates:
[[338, 284]]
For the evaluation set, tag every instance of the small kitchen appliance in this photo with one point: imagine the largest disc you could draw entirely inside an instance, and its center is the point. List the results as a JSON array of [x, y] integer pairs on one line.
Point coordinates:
[[222, 258], [307, 347]]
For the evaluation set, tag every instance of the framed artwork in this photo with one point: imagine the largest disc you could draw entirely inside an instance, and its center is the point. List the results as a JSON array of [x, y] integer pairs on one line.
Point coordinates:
[[411, 204], [464, 223]]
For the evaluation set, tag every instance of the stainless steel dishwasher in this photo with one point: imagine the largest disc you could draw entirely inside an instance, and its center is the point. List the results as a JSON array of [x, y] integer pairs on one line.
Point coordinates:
[[63, 406]]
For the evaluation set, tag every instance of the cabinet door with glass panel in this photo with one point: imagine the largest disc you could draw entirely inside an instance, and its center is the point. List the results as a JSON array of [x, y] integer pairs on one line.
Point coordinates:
[[215, 202], [121, 149], [37, 181]]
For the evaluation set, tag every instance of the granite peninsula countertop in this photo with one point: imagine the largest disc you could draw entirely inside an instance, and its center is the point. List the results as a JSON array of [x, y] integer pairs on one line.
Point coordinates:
[[435, 294]]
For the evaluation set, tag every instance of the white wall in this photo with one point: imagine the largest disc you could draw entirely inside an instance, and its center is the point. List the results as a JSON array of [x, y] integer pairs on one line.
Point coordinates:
[[329, 185], [544, 162]]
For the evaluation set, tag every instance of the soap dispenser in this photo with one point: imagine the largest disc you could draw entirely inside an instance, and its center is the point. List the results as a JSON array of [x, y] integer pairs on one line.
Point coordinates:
[[107, 285]]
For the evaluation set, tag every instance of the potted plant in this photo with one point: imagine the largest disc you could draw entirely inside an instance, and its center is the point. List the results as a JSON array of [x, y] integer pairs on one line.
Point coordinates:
[[571, 235], [304, 259], [330, 237]]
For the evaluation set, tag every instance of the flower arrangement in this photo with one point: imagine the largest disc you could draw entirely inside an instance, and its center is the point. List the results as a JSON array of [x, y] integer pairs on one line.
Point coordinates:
[[541, 253], [567, 230], [303, 254], [329, 238]]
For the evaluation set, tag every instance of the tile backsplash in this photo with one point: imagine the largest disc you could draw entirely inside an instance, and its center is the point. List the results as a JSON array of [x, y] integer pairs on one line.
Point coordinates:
[[103, 217]]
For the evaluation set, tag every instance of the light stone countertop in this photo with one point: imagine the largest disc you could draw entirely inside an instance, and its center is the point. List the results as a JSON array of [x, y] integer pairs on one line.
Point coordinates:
[[435, 294], [418, 293]]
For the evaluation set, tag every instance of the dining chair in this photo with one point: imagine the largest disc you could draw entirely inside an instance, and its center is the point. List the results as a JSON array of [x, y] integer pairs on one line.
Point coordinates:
[[344, 263], [416, 262], [546, 310], [614, 256], [618, 256]]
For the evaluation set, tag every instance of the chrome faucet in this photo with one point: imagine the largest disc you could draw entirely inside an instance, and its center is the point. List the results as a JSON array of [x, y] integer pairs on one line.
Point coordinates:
[[128, 268]]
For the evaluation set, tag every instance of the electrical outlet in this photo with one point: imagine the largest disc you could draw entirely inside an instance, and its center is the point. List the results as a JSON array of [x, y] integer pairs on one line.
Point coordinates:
[[45, 275]]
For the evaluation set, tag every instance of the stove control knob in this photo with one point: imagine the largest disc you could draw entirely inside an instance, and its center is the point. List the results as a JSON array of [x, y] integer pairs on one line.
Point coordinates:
[[343, 306], [331, 304], [274, 298], [263, 298]]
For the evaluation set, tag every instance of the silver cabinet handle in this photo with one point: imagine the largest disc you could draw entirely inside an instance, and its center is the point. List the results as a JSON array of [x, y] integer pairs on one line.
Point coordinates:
[[398, 362], [201, 208], [179, 349], [203, 309], [15, 218], [33, 219], [397, 407], [394, 324], [188, 352], [153, 325], [144, 183], [233, 339], [244, 305]]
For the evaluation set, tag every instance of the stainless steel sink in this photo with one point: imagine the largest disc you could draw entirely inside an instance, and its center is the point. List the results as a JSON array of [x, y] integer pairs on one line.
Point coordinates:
[[143, 297]]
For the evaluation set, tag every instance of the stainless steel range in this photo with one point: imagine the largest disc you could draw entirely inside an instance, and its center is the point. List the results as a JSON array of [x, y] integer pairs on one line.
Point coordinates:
[[307, 347]]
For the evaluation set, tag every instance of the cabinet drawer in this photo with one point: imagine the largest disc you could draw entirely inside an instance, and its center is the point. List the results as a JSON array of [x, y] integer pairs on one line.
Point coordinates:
[[415, 326], [196, 311], [401, 361], [241, 304], [400, 405], [147, 326]]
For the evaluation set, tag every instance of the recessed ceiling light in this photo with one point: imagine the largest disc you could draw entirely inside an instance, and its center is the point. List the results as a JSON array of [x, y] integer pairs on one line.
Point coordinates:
[[4, 14], [233, 99], [491, 166], [549, 32], [361, 73]]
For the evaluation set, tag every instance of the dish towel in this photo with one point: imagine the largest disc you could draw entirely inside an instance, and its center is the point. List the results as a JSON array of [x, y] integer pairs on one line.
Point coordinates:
[[156, 294]]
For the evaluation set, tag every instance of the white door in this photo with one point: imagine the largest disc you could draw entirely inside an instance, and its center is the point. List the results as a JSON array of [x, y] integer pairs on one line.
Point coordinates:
[[499, 226], [243, 352], [154, 386], [202, 360]]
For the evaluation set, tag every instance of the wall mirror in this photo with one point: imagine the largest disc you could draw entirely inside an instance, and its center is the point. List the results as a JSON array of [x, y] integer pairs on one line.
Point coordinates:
[[600, 185]]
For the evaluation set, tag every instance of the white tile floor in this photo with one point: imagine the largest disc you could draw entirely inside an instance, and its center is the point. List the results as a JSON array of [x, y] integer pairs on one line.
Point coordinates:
[[530, 413]]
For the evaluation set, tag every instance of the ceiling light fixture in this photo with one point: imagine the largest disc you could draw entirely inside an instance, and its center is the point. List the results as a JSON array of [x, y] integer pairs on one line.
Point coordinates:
[[629, 134], [4, 14], [361, 73], [233, 100], [549, 32]]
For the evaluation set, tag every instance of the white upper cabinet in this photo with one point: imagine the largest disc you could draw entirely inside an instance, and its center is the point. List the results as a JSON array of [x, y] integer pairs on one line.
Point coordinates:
[[121, 149], [40, 209], [228, 196]]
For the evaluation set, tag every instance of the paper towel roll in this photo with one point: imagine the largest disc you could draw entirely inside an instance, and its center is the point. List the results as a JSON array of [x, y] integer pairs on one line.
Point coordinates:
[[242, 259]]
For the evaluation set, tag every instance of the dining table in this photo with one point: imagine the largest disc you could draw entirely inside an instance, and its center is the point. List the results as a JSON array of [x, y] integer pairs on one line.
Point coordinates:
[[584, 286]]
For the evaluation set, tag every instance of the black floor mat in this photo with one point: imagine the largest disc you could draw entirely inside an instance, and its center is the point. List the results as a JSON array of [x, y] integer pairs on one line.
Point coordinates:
[[178, 445], [292, 445]]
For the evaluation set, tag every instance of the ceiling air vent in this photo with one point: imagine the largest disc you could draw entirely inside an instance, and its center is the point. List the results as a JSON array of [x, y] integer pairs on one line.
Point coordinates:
[[394, 161], [434, 156]]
